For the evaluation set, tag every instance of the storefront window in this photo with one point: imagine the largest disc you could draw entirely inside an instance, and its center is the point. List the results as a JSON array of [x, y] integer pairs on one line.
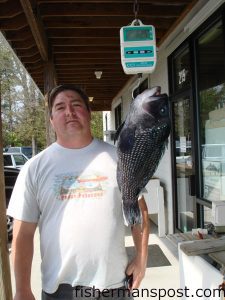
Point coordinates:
[[211, 74]]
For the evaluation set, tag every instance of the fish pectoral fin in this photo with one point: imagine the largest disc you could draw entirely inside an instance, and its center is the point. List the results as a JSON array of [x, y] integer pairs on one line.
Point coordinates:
[[127, 139]]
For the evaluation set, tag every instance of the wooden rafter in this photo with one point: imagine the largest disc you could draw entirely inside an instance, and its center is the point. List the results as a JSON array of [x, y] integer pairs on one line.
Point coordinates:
[[36, 28]]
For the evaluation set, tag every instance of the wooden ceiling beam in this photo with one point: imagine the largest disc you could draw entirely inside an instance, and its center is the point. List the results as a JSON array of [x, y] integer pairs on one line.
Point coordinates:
[[65, 69], [109, 9], [36, 28], [86, 49], [85, 41], [100, 107], [18, 22], [27, 52], [101, 99], [34, 59], [88, 55], [19, 34], [10, 9], [102, 22], [154, 2], [85, 66], [76, 62], [106, 91], [38, 76], [90, 73], [91, 80], [101, 96], [86, 72], [25, 44], [81, 32], [90, 32], [83, 74], [114, 84], [88, 41], [98, 99], [33, 68]]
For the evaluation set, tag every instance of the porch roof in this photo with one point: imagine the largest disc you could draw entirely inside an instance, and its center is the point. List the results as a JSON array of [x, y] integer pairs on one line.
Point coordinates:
[[66, 41]]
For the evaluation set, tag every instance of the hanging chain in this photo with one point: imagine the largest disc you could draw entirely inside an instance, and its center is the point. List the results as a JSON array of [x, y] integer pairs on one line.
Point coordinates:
[[136, 8]]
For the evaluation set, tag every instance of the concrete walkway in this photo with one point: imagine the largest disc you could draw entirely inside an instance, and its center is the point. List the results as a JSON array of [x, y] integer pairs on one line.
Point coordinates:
[[164, 277]]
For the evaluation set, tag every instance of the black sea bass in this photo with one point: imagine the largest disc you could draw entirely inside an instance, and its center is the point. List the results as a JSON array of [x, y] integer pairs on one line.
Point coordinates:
[[141, 144]]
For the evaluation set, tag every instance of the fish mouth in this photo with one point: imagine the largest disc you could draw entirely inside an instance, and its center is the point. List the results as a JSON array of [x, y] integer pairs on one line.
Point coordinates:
[[154, 92]]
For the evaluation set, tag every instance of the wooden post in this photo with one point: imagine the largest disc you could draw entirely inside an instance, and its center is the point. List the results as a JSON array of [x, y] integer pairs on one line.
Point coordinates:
[[5, 279], [49, 83]]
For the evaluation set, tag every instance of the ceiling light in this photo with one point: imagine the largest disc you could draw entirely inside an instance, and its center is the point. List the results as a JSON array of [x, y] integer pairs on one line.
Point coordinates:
[[98, 74], [91, 99]]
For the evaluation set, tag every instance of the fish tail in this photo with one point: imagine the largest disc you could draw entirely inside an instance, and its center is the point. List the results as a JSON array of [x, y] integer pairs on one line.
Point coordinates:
[[131, 213]]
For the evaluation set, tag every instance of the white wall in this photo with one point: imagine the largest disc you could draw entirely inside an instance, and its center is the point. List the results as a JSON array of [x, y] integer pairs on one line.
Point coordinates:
[[200, 12]]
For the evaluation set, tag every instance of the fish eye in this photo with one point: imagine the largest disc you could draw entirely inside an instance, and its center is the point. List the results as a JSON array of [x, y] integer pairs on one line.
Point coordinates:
[[163, 111]]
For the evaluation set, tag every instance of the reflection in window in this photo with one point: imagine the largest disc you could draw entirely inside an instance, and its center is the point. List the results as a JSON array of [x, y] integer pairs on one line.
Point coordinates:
[[212, 113], [184, 169], [183, 137], [207, 216]]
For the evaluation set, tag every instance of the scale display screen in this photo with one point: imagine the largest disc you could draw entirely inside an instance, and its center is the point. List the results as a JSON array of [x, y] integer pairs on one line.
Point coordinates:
[[137, 34]]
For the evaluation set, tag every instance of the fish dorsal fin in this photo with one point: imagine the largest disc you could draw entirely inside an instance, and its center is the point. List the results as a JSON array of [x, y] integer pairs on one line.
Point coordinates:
[[127, 139], [118, 132]]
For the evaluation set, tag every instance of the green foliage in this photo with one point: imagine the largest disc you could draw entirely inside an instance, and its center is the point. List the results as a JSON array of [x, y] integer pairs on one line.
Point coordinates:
[[22, 104], [97, 124]]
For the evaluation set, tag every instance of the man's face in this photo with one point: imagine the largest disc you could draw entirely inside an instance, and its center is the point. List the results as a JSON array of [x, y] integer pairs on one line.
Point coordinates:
[[70, 115]]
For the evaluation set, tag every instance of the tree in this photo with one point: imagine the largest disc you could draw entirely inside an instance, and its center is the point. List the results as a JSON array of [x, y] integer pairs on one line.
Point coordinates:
[[97, 124], [23, 109], [22, 103]]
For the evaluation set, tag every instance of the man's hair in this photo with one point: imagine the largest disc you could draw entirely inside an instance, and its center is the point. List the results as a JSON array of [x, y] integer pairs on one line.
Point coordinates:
[[66, 87]]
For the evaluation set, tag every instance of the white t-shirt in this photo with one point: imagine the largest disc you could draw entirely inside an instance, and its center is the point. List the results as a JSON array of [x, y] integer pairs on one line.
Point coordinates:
[[73, 196]]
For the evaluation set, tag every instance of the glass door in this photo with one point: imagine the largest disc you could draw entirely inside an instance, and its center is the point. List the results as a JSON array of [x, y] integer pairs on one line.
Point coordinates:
[[197, 93], [184, 171], [211, 89]]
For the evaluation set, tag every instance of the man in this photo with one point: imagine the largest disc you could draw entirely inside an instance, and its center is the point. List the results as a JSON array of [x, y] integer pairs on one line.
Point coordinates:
[[70, 191]]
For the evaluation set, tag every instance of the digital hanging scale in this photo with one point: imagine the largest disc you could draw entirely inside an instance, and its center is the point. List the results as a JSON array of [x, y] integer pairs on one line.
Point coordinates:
[[138, 48]]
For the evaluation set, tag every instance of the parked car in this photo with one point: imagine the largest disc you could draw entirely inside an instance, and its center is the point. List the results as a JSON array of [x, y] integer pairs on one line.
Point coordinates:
[[10, 175], [14, 160], [26, 150]]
